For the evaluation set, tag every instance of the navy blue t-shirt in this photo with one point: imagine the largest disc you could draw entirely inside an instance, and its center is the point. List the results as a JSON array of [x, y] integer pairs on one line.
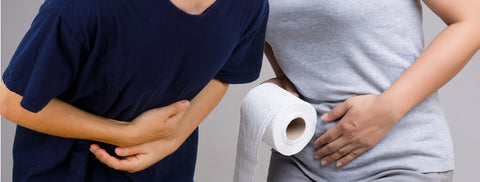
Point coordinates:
[[117, 59]]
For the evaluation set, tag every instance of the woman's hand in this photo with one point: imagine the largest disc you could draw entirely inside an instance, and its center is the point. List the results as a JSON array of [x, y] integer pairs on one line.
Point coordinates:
[[365, 120], [284, 83], [136, 158]]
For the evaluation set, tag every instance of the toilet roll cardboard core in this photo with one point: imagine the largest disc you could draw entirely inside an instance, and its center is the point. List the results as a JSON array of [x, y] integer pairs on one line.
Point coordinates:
[[295, 128]]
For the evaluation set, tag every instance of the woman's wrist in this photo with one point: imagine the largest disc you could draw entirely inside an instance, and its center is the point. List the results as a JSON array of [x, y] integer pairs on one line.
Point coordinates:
[[396, 105]]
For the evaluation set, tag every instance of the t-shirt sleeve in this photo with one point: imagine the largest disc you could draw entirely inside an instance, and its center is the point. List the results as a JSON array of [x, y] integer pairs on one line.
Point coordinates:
[[46, 60], [245, 62]]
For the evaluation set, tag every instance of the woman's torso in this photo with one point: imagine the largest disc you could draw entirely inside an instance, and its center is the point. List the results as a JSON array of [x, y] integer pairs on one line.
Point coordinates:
[[334, 50]]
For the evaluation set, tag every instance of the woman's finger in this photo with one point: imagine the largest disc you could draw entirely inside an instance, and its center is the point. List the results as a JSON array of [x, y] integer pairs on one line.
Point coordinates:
[[329, 136], [330, 148], [338, 154], [350, 156], [337, 112]]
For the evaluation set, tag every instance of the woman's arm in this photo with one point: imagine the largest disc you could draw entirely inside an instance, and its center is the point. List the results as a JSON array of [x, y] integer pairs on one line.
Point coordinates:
[[367, 119], [62, 119], [141, 156], [281, 79], [446, 55], [273, 61]]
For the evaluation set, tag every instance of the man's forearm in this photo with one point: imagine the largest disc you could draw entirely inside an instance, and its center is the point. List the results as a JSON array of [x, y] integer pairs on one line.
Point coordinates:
[[201, 106], [62, 119]]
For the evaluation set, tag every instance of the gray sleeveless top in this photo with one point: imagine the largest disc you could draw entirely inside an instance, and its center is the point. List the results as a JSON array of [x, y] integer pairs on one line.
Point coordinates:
[[334, 50]]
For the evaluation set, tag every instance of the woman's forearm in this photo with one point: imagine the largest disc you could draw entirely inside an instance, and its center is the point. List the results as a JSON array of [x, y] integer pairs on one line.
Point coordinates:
[[61, 119], [281, 79], [273, 61], [446, 55]]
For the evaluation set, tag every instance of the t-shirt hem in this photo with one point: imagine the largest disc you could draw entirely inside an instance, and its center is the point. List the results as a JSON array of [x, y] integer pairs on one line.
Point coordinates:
[[237, 78], [433, 167], [27, 103]]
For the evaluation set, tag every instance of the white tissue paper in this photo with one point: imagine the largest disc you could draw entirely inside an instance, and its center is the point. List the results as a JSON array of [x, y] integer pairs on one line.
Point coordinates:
[[281, 120]]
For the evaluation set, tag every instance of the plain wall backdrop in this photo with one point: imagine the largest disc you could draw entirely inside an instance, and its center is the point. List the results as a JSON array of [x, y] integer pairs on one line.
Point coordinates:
[[218, 133]]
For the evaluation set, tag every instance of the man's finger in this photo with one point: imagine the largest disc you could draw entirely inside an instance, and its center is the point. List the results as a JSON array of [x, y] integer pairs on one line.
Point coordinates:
[[129, 151], [104, 156], [176, 107], [131, 163]]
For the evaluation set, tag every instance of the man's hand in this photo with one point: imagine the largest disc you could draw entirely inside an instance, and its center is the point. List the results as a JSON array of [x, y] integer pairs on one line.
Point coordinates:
[[156, 135], [138, 157], [141, 156], [365, 120], [156, 123]]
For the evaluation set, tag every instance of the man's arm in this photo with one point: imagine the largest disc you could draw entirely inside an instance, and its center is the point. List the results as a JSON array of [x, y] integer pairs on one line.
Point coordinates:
[[141, 156], [62, 119]]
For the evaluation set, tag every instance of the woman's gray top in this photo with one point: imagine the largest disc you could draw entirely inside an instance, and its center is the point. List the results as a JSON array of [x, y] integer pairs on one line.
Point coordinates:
[[334, 50]]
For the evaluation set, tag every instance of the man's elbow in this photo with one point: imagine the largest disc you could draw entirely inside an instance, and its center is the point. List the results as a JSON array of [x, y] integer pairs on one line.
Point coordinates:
[[9, 102], [3, 100]]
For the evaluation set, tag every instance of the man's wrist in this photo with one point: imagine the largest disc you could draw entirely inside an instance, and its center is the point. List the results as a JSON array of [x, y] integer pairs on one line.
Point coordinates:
[[121, 133]]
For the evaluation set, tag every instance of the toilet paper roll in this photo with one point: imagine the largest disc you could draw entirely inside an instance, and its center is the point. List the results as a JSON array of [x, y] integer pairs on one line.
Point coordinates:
[[278, 118]]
